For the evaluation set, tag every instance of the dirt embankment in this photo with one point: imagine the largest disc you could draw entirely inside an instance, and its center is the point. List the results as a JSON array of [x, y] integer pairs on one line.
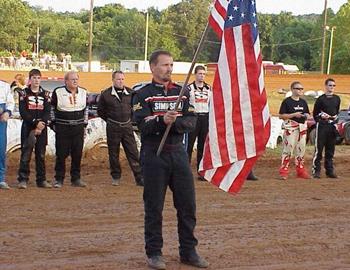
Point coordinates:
[[96, 81]]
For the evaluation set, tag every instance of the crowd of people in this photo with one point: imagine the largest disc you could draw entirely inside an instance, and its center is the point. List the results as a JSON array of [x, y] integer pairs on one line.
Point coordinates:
[[43, 60], [153, 109]]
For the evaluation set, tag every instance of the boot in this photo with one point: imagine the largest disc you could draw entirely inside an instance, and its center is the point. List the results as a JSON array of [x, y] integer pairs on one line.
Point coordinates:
[[284, 171], [252, 177], [300, 168], [302, 173]]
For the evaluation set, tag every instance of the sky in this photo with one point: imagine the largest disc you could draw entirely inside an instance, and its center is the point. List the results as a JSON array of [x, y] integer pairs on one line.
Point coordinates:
[[297, 7]]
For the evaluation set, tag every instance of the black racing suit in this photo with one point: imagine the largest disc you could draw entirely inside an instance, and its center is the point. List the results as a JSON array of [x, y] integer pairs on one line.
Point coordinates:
[[325, 132], [171, 168], [69, 119], [114, 106], [33, 108], [200, 100]]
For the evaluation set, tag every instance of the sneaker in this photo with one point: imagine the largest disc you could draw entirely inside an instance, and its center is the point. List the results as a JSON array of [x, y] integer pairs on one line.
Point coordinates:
[[78, 183], [331, 175], [156, 262], [44, 184], [4, 185], [252, 177], [116, 182], [139, 182], [201, 178], [22, 185], [195, 260], [316, 175], [57, 184]]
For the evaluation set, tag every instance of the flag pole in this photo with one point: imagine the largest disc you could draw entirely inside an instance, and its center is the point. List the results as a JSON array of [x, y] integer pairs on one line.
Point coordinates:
[[182, 92]]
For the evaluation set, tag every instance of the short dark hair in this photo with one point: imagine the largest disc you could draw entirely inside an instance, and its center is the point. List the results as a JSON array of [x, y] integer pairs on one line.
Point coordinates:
[[34, 72], [116, 72], [293, 84], [198, 68], [153, 59], [329, 80]]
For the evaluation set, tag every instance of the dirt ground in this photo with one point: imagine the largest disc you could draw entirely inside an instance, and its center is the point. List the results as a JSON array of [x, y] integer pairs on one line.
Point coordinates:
[[271, 224]]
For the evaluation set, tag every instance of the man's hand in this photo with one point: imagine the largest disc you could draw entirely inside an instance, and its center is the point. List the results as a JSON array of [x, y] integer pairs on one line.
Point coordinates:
[[4, 117], [298, 115], [41, 125], [37, 131], [325, 116], [169, 117]]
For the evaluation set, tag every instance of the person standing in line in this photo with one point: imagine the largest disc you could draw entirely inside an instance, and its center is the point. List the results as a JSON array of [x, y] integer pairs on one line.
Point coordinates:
[[114, 106], [200, 93], [7, 105], [325, 113], [154, 110], [34, 108], [69, 120], [294, 111], [17, 85]]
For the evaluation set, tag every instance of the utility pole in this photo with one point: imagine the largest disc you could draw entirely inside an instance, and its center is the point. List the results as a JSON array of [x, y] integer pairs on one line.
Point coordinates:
[[146, 40], [37, 41], [324, 36], [90, 33], [330, 50]]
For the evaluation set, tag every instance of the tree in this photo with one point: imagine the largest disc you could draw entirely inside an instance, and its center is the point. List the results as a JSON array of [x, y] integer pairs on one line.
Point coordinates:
[[14, 20], [341, 47]]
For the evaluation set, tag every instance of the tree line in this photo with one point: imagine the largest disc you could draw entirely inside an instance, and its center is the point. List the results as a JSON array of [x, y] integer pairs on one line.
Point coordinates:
[[119, 33]]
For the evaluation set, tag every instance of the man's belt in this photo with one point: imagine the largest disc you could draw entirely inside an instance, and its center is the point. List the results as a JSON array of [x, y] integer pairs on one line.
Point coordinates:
[[74, 122], [121, 124]]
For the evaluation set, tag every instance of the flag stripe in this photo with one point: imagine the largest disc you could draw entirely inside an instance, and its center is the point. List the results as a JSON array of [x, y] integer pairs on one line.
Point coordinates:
[[239, 121], [235, 114]]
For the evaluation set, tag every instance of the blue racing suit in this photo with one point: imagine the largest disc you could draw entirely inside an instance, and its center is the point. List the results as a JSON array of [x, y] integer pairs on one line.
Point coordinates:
[[6, 105]]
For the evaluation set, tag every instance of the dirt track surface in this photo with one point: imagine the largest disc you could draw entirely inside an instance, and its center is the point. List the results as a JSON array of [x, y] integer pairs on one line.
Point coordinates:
[[271, 224]]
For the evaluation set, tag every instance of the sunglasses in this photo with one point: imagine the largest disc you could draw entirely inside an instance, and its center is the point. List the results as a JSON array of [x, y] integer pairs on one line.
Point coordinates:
[[298, 88], [331, 85]]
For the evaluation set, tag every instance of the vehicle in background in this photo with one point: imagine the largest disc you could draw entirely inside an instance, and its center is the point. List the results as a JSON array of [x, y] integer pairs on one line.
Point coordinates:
[[343, 128], [51, 83], [92, 102]]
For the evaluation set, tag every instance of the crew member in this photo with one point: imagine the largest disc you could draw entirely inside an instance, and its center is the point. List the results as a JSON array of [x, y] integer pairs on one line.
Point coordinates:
[[200, 93], [325, 113], [294, 111], [34, 108], [154, 109], [7, 105], [69, 119], [114, 106]]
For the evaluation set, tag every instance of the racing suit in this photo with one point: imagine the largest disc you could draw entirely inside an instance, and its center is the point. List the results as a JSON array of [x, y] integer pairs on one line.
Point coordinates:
[[294, 137], [33, 108], [199, 97], [69, 119], [114, 106], [6, 105], [325, 132], [170, 168]]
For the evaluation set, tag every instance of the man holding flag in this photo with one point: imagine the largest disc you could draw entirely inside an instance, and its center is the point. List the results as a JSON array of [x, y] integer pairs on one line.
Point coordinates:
[[239, 121], [154, 109]]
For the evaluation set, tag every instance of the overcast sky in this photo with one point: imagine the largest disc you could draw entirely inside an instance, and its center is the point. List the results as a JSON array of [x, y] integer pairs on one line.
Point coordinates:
[[264, 6]]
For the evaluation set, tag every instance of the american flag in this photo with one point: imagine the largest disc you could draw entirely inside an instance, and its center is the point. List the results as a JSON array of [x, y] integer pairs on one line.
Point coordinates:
[[239, 118]]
